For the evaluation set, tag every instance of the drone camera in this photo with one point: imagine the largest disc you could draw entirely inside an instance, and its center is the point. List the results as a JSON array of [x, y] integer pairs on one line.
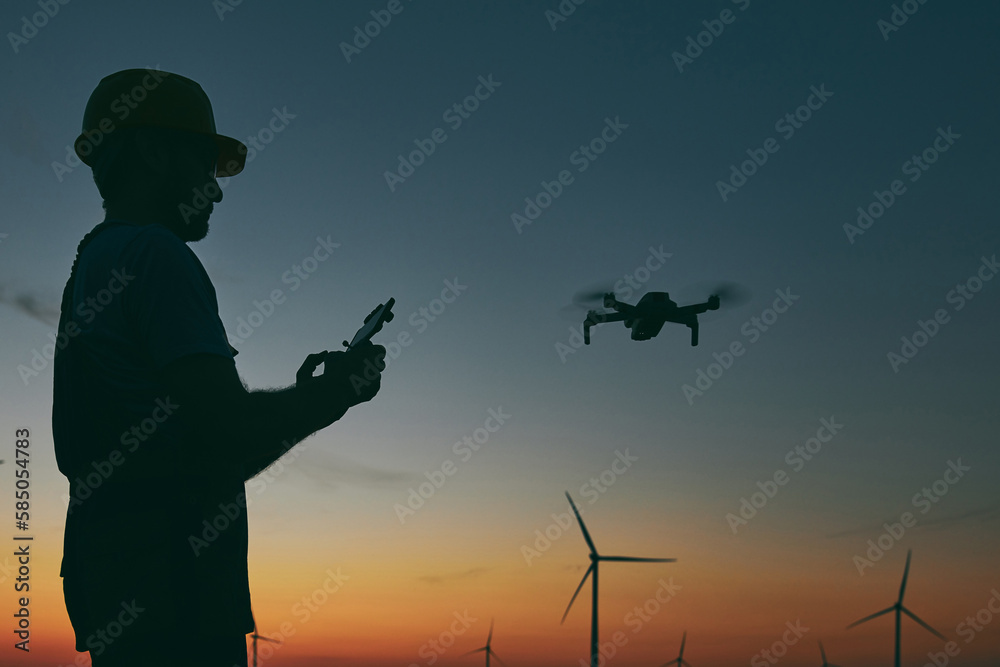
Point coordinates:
[[609, 300]]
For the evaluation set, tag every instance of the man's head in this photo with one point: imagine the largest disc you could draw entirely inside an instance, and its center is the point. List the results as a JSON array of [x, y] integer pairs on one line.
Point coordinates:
[[150, 138], [151, 174]]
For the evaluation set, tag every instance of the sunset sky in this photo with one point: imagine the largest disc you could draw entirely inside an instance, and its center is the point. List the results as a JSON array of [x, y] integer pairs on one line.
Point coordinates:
[[373, 540]]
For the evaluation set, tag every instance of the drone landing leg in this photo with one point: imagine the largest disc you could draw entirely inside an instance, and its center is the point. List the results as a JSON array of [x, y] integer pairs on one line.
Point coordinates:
[[694, 334]]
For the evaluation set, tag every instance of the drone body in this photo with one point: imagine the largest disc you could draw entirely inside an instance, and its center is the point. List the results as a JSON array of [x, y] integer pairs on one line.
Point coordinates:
[[646, 318]]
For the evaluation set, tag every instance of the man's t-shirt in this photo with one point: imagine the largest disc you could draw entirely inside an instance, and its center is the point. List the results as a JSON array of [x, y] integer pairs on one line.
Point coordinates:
[[145, 516]]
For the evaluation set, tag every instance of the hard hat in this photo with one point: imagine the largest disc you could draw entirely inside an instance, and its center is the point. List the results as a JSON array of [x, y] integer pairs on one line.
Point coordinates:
[[151, 98]]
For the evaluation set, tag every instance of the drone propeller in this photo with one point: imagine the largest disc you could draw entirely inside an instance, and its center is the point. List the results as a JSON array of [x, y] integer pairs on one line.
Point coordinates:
[[585, 300], [730, 294], [593, 295]]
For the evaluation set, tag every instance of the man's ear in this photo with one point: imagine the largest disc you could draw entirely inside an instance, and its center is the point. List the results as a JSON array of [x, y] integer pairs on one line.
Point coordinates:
[[153, 150]]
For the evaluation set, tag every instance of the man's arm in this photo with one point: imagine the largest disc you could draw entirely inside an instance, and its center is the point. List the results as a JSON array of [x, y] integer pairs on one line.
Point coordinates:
[[251, 429]]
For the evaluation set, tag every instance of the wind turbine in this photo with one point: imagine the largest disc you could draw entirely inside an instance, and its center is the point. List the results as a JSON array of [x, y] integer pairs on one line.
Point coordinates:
[[255, 638], [486, 649], [823, 653], [679, 660], [899, 608], [595, 560]]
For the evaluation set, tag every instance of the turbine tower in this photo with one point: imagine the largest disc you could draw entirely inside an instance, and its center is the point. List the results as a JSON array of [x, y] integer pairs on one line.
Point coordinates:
[[255, 638], [595, 560], [900, 609], [679, 660], [823, 653], [486, 649]]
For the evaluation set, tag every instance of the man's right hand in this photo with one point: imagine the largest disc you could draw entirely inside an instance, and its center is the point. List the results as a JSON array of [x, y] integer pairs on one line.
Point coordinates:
[[348, 378]]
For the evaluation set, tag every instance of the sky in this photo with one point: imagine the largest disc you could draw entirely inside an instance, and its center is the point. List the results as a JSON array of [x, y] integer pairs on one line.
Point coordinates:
[[835, 160]]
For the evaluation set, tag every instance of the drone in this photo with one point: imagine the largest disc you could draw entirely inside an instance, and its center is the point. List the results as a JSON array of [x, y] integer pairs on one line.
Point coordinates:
[[646, 318]]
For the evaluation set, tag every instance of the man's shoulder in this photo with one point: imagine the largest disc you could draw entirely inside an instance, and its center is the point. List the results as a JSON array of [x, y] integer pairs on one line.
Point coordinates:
[[123, 241], [124, 234]]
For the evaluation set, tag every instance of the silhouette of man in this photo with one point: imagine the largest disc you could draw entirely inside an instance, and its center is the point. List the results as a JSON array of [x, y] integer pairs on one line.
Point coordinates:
[[152, 425]]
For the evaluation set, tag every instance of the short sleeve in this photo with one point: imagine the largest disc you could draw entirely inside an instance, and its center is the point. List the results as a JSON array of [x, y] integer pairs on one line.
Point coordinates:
[[169, 299]]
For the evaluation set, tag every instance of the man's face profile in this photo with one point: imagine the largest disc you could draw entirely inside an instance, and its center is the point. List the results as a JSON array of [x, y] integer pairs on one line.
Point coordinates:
[[172, 181]]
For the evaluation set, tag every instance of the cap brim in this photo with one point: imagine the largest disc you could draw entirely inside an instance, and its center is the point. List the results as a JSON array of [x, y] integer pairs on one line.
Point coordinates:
[[232, 156]]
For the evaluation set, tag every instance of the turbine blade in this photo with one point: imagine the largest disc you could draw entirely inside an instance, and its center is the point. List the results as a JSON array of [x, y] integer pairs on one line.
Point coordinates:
[[822, 652], [683, 639], [868, 618], [583, 527], [629, 559], [906, 573], [488, 638], [475, 650], [573, 599], [685, 662], [927, 627], [268, 639], [494, 654]]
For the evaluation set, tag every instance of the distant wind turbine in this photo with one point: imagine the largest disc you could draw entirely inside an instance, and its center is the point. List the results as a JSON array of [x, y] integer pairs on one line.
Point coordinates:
[[823, 653], [595, 560], [679, 660], [486, 649], [899, 608], [255, 638]]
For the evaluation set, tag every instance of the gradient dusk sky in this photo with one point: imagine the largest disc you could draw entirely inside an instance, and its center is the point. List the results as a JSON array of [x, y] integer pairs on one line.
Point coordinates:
[[372, 540]]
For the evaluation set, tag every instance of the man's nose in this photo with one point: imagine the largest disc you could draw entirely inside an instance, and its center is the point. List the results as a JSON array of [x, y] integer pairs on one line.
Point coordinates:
[[212, 190]]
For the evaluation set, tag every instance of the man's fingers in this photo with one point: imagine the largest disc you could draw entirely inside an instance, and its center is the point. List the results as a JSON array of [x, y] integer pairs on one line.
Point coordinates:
[[312, 362]]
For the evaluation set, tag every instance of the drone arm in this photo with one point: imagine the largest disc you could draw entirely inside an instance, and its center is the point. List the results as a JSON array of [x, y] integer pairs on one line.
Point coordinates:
[[594, 317], [697, 308]]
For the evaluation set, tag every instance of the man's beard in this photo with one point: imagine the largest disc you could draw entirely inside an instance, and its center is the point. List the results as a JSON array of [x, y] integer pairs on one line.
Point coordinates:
[[187, 221], [196, 226]]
